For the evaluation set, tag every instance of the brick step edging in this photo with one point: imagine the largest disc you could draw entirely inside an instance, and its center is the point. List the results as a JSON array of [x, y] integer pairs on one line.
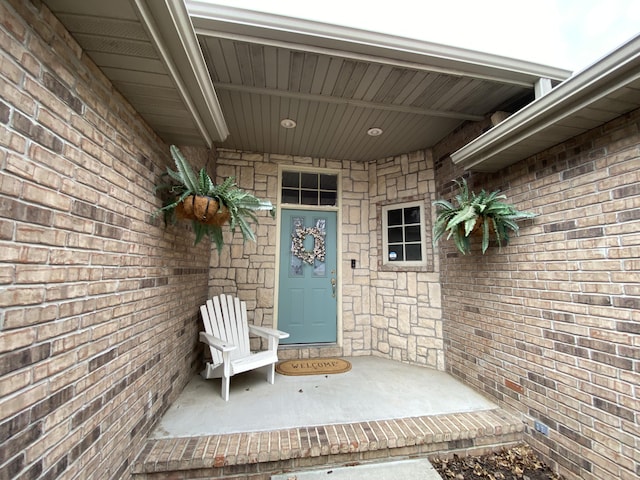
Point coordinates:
[[374, 439]]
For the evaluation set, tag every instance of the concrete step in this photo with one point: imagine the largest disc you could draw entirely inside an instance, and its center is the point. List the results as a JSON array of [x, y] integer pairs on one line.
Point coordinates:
[[259, 455], [414, 469]]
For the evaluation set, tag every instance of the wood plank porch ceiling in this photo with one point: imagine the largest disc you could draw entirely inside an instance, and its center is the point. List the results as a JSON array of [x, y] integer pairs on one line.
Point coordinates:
[[335, 82], [335, 100]]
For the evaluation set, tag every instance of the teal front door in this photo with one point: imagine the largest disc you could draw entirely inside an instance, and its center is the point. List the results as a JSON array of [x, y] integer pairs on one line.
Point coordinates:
[[307, 298]]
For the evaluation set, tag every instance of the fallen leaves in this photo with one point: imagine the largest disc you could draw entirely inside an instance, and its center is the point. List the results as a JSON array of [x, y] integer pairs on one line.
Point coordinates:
[[515, 463]]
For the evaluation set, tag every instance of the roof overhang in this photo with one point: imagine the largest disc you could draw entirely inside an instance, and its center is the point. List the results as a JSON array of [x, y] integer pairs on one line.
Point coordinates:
[[337, 82], [605, 90], [203, 74], [149, 51], [306, 35], [171, 31]]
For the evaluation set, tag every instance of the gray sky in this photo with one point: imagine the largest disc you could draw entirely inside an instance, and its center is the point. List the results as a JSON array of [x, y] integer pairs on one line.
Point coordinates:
[[570, 34]]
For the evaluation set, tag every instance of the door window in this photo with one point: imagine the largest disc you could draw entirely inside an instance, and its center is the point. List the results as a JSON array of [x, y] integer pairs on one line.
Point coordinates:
[[308, 246]]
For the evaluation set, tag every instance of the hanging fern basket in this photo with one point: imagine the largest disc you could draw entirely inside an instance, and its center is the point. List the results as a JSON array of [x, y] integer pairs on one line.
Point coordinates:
[[203, 209], [478, 228], [193, 196]]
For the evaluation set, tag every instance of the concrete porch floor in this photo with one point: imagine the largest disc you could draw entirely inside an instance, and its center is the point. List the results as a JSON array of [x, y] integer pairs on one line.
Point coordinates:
[[374, 389], [380, 411]]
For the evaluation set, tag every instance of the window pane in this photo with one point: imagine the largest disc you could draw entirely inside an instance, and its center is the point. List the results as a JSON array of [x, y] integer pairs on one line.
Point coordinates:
[[309, 197], [289, 196], [414, 253], [329, 182], [319, 266], [290, 179], [295, 263], [395, 235], [309, 180], [394, 217], [395, 253], [412, 234], [412, 215], [327, 198]]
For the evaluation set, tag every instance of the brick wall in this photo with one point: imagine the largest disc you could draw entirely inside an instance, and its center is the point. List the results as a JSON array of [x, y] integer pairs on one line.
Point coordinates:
[[98, 304], [384, 312], [549, 326]]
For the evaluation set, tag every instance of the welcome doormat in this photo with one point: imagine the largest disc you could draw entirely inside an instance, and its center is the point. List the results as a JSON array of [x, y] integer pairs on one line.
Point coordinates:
[[313, 366]]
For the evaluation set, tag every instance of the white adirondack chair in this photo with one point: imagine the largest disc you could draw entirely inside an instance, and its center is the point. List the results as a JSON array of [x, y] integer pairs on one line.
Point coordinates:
[[227, 334]]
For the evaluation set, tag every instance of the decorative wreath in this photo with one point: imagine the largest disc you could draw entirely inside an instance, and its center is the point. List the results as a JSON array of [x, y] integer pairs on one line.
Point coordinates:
[[297, 246]]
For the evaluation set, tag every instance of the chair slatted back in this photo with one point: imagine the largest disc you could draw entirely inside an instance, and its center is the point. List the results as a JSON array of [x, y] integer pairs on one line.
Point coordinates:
[[225, 317]]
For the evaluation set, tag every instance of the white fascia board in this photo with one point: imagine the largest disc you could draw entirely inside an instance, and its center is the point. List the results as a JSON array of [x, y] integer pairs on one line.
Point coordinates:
[[170, 28], [305, 33], [604, 77]]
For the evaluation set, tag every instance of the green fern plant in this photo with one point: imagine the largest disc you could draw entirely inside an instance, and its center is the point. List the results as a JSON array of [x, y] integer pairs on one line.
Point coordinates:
[[470, 211], [237, 204]]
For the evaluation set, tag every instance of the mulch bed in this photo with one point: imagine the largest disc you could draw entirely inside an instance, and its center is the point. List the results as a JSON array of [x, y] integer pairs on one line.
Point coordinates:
[[515, 463]]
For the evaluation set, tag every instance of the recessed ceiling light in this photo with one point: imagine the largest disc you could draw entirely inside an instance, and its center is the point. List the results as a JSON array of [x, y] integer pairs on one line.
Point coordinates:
[[288, 123], [374, 132]]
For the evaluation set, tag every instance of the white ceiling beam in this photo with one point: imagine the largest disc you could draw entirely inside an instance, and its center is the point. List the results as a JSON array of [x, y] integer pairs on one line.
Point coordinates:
[[346, 101], [542, 87]]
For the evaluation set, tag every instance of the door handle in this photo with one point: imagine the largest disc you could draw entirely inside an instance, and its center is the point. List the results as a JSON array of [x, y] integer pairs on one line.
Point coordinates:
[[333, 287]]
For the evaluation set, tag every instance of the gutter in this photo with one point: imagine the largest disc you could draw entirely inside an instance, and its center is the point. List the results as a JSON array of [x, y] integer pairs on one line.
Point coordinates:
[[307, 35], [170, 28], [606, 76]]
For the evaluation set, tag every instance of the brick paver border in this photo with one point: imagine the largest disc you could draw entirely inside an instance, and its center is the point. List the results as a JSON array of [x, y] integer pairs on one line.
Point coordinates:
[[259, 454]]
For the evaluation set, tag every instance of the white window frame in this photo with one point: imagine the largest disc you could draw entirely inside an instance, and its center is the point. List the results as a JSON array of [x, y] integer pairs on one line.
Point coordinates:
[[301, 170], [385, 235]]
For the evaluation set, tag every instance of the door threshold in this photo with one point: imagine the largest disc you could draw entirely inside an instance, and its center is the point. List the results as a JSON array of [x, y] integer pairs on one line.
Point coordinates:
[[306, 345]]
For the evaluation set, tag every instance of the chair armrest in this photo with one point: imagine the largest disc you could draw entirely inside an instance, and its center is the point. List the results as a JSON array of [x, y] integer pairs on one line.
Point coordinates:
[[267, 332], [216, 342]]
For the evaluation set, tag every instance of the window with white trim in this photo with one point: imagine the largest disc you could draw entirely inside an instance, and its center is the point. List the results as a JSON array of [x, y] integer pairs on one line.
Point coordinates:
[[309, 188], [403, 235]]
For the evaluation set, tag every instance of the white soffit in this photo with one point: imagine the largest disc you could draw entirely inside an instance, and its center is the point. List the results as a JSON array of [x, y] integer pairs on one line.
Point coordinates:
[[149, 51], [605, 90]]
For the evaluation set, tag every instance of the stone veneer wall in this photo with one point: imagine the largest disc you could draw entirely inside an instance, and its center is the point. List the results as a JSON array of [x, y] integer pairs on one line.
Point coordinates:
[[98, 305], [550, 326], [384, 312], [406, 313]]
